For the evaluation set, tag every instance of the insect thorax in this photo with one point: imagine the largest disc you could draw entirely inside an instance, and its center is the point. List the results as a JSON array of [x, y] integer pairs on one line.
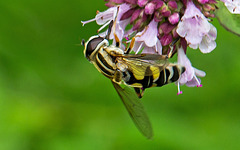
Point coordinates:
[[105, 61]]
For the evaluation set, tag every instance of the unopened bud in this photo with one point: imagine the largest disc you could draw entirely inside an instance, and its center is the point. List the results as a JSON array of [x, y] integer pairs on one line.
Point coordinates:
[[172, 5], [203, 1], [142, 3], [149, 8], [165, 11], [174, 18], [166, 39]]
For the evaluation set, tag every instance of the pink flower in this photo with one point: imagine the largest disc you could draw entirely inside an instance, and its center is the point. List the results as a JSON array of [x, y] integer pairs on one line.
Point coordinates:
[[208, 42], [156, 49], [121, 24], [104, 18], [189, 77], [148, 39], [232, 5], [196, 29]]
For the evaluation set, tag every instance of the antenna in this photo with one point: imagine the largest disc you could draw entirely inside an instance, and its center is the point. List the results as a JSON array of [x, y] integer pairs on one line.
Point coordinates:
[[83, 42]]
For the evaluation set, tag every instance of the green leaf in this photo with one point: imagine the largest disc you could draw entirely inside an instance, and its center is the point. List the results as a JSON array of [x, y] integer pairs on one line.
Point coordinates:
[[231, 22]]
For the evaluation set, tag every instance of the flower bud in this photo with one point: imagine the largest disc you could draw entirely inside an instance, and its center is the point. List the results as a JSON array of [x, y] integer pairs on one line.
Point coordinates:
[[166, 39], [135, 15], [208, 7], [127, 14], [174, 18], [149, 8], [172, 5], [165, 11], [174, 33], [117, 1], [140, 23], [142, 3], [203, 1], [184, 44], [208, 14], [109, 4], [158, 16], [165, 28], [136, 26], [131, 1], [158, 3]]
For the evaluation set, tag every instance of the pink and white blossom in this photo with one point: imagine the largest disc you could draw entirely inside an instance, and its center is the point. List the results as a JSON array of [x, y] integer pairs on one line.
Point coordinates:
[[196, 29], [162, 26], [189, 77], [148, 39], [104, 19], [121, 24], [232, 5], [208, 42]]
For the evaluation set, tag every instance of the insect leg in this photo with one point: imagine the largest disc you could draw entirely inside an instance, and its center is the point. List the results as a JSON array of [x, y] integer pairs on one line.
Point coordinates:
[[117, 78], [117, 40], [171, 47], [139, 92], [131, 46], [114, 30], [109, 30]]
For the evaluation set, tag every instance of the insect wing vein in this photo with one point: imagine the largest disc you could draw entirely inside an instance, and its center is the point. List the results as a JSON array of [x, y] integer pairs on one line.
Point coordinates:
[[135, 109], [139, 66]]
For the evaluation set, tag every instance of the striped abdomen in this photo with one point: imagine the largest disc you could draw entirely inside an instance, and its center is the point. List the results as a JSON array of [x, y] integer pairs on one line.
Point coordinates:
[[154, 76]]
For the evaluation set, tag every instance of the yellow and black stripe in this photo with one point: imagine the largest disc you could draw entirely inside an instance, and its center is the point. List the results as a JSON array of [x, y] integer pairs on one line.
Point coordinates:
[[157, 78]]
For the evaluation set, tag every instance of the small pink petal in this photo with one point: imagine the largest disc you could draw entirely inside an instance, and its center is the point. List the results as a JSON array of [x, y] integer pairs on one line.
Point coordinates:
[[150, 35]]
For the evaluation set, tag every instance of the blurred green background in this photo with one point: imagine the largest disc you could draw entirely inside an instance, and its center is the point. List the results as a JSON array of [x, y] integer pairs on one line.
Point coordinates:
[[52, 98]]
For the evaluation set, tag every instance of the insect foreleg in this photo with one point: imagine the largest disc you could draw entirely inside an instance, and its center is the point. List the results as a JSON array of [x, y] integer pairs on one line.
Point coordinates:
[[114, 30], [109, 30], [117, 78], [172, 47], [131, 46]]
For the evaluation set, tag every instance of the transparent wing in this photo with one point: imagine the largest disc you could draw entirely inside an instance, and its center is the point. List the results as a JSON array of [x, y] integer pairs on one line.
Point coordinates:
[[145, 57], [145, 64], [135, 109]]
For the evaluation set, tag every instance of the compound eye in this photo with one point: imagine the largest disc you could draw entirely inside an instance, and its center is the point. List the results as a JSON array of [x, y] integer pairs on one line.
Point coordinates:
[[92, 45]]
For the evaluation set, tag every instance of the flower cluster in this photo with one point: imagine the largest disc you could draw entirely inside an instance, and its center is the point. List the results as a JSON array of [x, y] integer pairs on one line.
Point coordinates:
[[157, 24]]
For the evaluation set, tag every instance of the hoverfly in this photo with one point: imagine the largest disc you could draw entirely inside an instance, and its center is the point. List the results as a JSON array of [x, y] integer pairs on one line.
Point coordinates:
[[135, 71]]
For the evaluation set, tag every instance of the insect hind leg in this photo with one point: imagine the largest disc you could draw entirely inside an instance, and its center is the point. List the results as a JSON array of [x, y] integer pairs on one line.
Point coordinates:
[[139, 92], [114, 30]]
